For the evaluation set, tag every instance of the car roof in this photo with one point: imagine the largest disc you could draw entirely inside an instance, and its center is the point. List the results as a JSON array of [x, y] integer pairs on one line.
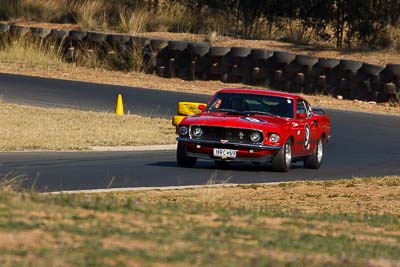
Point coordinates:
[[259, 91]]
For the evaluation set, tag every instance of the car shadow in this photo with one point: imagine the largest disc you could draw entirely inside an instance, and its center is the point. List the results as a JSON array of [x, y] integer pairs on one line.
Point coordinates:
[[245, 167]]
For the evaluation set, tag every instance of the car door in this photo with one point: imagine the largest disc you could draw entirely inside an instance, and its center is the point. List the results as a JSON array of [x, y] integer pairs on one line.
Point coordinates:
[[303, 129]]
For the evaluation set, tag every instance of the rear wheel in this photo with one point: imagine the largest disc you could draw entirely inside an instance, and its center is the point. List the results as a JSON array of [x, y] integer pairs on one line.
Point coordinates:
[[315, 160], [283, 159], [182, 158]]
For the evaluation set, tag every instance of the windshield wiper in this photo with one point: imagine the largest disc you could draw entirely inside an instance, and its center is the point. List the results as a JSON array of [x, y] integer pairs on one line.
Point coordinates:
[[227, 110], [248, 113]]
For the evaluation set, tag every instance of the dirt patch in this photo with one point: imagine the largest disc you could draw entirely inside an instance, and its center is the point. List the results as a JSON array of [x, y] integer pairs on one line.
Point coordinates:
[[25, 240], [354, 197]]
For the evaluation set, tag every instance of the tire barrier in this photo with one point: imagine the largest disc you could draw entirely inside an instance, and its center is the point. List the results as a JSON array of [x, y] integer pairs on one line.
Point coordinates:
[[298, 73], [170, 61], [199, 60], [217, 62]]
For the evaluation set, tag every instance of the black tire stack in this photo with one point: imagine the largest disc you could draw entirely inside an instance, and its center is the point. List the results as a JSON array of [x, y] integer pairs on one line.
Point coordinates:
[[257, 63], [120, 51], [298, 73], [172, 60], [276, 69], [322, 75], [150, 52], [75, 45], [239, 67], [390, 83], [217, 63], [4, 34], [344, 78], [368, 83], [197, 63]]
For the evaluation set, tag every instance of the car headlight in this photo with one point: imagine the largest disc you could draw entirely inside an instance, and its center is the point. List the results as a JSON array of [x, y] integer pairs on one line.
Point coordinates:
[[197, 132], [255, 137], [183, 130], [274, 138]]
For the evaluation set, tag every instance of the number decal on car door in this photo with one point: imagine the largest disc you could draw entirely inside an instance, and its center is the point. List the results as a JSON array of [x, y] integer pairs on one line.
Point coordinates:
[[307, 137]]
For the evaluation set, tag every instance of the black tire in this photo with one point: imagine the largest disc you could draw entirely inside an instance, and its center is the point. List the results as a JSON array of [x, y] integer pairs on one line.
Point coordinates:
[[177, 45], [96, 37], [199, 49], [281, 161], [315, 160], [40, 32], [19, 30], [283, 57], [327, 63], [182, 158], [394, 69], [304, 60], [370, 69], [140, 42], [59, 33], [4, 27], [351, 65], [261, 54], [77, 35], [240, 51], [158, 44], [218, 51], [121, 39]]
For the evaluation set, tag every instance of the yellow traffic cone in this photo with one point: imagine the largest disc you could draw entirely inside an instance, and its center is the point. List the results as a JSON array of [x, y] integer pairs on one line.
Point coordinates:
[[119, 110]]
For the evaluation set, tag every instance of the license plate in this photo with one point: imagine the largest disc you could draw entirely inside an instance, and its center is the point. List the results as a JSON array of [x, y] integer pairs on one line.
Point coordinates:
[[224, 153]]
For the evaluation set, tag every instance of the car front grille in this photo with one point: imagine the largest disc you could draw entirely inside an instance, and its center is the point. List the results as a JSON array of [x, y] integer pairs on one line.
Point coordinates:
[[235, 135]]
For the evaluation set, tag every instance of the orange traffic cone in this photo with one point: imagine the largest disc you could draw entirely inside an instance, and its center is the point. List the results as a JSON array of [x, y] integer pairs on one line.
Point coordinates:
[[119, 110]]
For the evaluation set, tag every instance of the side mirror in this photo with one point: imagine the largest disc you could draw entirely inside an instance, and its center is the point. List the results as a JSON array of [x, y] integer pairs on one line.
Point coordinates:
[[302, 116], [202, 107]]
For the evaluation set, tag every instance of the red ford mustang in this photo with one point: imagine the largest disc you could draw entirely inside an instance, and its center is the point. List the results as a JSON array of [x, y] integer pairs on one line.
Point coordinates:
[[254, 126]]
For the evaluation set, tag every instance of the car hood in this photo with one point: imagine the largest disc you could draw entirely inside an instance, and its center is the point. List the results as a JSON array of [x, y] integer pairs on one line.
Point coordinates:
[[261, 122]]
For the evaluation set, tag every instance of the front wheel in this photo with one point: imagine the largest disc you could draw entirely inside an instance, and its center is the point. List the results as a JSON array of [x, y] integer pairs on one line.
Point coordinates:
[[283, 158], [182, 158], [314, 161]]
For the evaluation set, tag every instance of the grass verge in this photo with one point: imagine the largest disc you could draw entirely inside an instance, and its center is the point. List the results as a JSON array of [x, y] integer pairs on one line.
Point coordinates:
[[30, 128], [336, 223]]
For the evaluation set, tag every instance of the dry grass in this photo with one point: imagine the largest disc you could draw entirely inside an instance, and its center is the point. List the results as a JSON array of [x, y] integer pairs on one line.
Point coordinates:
[[375, 195], [336, 223], [30, 128]]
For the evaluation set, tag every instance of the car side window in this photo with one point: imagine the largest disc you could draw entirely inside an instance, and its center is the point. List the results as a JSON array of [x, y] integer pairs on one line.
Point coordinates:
[[303, 107], [308, 109], [300, 107]]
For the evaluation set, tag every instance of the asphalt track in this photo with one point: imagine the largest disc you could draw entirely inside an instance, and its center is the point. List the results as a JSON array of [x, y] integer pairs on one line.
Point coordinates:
[[362, 145]]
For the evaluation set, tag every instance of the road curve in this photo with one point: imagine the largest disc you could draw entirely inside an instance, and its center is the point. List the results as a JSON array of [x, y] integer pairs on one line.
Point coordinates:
[[90, 96], [362, 144]]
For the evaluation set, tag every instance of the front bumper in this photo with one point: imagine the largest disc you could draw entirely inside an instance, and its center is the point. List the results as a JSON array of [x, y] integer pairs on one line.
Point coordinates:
[[245, 152]]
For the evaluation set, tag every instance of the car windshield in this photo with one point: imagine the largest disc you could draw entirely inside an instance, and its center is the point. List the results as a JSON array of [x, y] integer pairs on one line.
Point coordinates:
[[251, 104]]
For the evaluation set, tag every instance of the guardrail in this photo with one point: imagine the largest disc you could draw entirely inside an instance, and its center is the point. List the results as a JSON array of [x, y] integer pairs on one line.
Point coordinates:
[[199, 60]]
